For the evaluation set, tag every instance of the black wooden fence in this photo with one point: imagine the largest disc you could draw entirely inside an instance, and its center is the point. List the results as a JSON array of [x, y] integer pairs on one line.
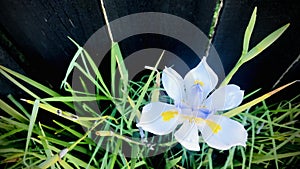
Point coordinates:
[[34, 35]]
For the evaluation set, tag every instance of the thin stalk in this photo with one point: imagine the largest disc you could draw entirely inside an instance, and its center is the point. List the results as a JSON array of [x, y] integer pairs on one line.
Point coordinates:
[[231, 73]]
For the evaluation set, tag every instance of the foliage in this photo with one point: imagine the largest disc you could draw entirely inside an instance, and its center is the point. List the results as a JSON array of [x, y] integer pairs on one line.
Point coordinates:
[[28, 140]]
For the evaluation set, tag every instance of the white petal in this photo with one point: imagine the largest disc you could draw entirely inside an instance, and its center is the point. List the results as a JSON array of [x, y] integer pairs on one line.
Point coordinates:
[[204, 74], [173, 84], [230, 134], [224, 98], [152, 120], [188, 137]]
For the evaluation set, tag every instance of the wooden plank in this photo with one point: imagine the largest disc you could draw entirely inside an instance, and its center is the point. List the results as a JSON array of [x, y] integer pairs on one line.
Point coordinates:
[[39, 29]]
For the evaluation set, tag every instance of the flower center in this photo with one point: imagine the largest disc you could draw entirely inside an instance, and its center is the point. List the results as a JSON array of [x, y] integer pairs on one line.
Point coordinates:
[[195, 95], [202, 112], [215, 127]]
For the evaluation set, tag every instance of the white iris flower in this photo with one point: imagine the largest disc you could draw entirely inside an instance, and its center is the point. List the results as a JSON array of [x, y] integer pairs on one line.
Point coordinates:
[[195, 107]]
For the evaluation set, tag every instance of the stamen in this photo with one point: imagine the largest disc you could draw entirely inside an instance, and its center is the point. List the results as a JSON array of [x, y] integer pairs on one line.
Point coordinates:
[[168, 115], [199, 82], [213, 126]]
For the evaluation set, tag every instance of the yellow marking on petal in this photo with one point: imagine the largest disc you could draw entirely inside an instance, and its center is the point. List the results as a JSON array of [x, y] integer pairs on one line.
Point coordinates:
[[198, 120], [213, 126], [168, 115], [199, 82]]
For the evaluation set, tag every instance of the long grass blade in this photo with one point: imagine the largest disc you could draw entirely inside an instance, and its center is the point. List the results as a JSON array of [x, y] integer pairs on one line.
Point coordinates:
[[45, 144], [71, 65], [97, 72], [249, 31], [49, 162], [29, 81], [261, 158], [64, 164], [17, 83], [61, 113], [19, 105], [12, 112], [245, 106], [74, 98], [31, 125]]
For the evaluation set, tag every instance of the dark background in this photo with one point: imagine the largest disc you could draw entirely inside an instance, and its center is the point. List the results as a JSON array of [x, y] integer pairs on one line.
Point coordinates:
[[34, 34]]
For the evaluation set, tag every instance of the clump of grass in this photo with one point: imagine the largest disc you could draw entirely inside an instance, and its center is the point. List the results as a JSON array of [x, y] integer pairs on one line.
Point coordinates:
[[28, 143]]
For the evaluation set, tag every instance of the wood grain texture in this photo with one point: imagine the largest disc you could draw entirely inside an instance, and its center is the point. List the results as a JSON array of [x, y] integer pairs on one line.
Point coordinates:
[[39, 28]]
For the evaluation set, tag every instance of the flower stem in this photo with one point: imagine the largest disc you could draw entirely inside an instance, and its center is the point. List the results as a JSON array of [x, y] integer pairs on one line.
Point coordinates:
[[231, 73]]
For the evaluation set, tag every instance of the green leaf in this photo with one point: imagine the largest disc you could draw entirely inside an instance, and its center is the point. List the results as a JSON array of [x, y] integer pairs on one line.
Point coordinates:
[[103, 88], [246, 56], [10, 133], [64, 164], [12, 122], [49, 162], [19, 105], [74, 98], [64, 114], [264, 44], [116, 52], [45, 144], [75, 133], [113, 65], [71, 65], [249, 31], [262, 158], [27, 80], [12, 112], [77, 162], [172, 163], [31, 125], [4, 73]]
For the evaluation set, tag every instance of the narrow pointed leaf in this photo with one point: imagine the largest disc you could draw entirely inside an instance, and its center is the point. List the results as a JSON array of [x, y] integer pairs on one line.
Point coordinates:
[[64, 164], [64, 114], [29, 81], [98, 74], [75, 98], [45, 144], [49, 162], [264, 44], [172, 163], [249, 31], [71, 65], [116, 52], [12, 112], [31, 125]]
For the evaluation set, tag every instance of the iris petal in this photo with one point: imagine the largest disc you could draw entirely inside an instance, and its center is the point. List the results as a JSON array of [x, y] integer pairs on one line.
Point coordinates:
[[155, 121], [224, 98], [173, 84], [230, 134], [202, 75], [188, 137]]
